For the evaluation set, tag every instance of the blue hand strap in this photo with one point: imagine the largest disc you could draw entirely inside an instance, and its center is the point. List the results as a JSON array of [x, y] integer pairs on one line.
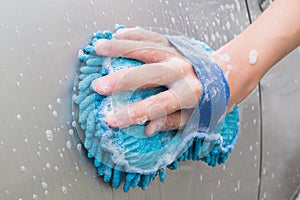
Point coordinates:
[[215, 89]]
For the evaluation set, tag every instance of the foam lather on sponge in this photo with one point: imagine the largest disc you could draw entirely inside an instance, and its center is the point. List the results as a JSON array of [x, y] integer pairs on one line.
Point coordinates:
[[127, 154]]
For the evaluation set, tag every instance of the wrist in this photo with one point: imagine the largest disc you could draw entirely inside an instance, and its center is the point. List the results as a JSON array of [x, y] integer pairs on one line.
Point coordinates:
[[241, 79]]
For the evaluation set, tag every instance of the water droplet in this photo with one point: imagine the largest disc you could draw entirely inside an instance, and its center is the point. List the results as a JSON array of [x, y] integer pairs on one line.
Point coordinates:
[[64, 189], [79, 146], [44, 185], [213, 38], [34, 197], [19, 117], [46, 192], [18, 83], [71, 132], [219, 183], [253, 56], [58, 100], [49, 135], [50, 107], [23, 168], [69, 144], [54, 113], [228, 26], [264, 171], [56, 168], [48, 165], [73, 123], [173, 20], [250, 148]]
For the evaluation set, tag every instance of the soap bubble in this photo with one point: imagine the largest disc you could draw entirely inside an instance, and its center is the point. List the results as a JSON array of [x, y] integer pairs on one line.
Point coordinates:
[[253, 56], [19, 117], [49, 135], [23, 168], [44, 185], [58, 100], [64, 189], [34, 197]]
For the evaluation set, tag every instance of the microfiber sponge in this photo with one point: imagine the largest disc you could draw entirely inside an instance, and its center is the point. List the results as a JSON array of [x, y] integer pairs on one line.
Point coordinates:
[[127, 153]]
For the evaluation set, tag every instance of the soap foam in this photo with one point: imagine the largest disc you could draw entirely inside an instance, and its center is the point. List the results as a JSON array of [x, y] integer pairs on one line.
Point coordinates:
[[253, 56]]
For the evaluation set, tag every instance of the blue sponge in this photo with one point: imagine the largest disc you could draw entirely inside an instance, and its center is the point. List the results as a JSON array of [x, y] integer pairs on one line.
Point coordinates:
[[126, 153]]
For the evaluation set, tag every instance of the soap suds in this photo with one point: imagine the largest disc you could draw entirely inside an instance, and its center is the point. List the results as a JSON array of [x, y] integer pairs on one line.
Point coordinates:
[[225, 57], [253, 56], [141, 120], [64, 189], [44, 185], [229, 68], [54, 113], [49, 135]]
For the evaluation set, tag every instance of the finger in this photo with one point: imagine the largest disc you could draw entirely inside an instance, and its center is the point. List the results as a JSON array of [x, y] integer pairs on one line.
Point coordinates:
[[148, 75], [148, 52], [140, 34], [173, 121], [151, 108], [187, 90]]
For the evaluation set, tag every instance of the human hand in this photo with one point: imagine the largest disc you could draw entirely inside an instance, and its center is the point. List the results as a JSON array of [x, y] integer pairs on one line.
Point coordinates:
[[164, 65]]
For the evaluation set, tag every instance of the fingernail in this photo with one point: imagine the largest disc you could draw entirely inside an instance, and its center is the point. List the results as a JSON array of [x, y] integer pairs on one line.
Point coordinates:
[[101, 86], [149, 130], [102, 46], [110, 120], [114, 121], [123, 30]]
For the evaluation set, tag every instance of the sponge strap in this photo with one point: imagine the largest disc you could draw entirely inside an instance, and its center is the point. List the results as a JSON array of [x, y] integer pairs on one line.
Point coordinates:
[[215, 89]]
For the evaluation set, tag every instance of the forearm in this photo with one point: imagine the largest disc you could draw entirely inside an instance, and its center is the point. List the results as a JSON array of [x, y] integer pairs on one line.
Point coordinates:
[[273, 35]]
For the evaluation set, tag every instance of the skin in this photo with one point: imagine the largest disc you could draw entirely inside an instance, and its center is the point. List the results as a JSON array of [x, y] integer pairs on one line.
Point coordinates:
[[273, 35]]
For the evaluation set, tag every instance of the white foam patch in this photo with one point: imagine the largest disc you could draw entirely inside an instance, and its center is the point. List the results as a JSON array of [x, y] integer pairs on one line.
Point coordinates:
[[49, 135], [253, 56]]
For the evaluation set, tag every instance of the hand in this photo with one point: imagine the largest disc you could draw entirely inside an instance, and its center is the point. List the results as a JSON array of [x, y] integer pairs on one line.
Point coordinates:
[[164, 65]]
